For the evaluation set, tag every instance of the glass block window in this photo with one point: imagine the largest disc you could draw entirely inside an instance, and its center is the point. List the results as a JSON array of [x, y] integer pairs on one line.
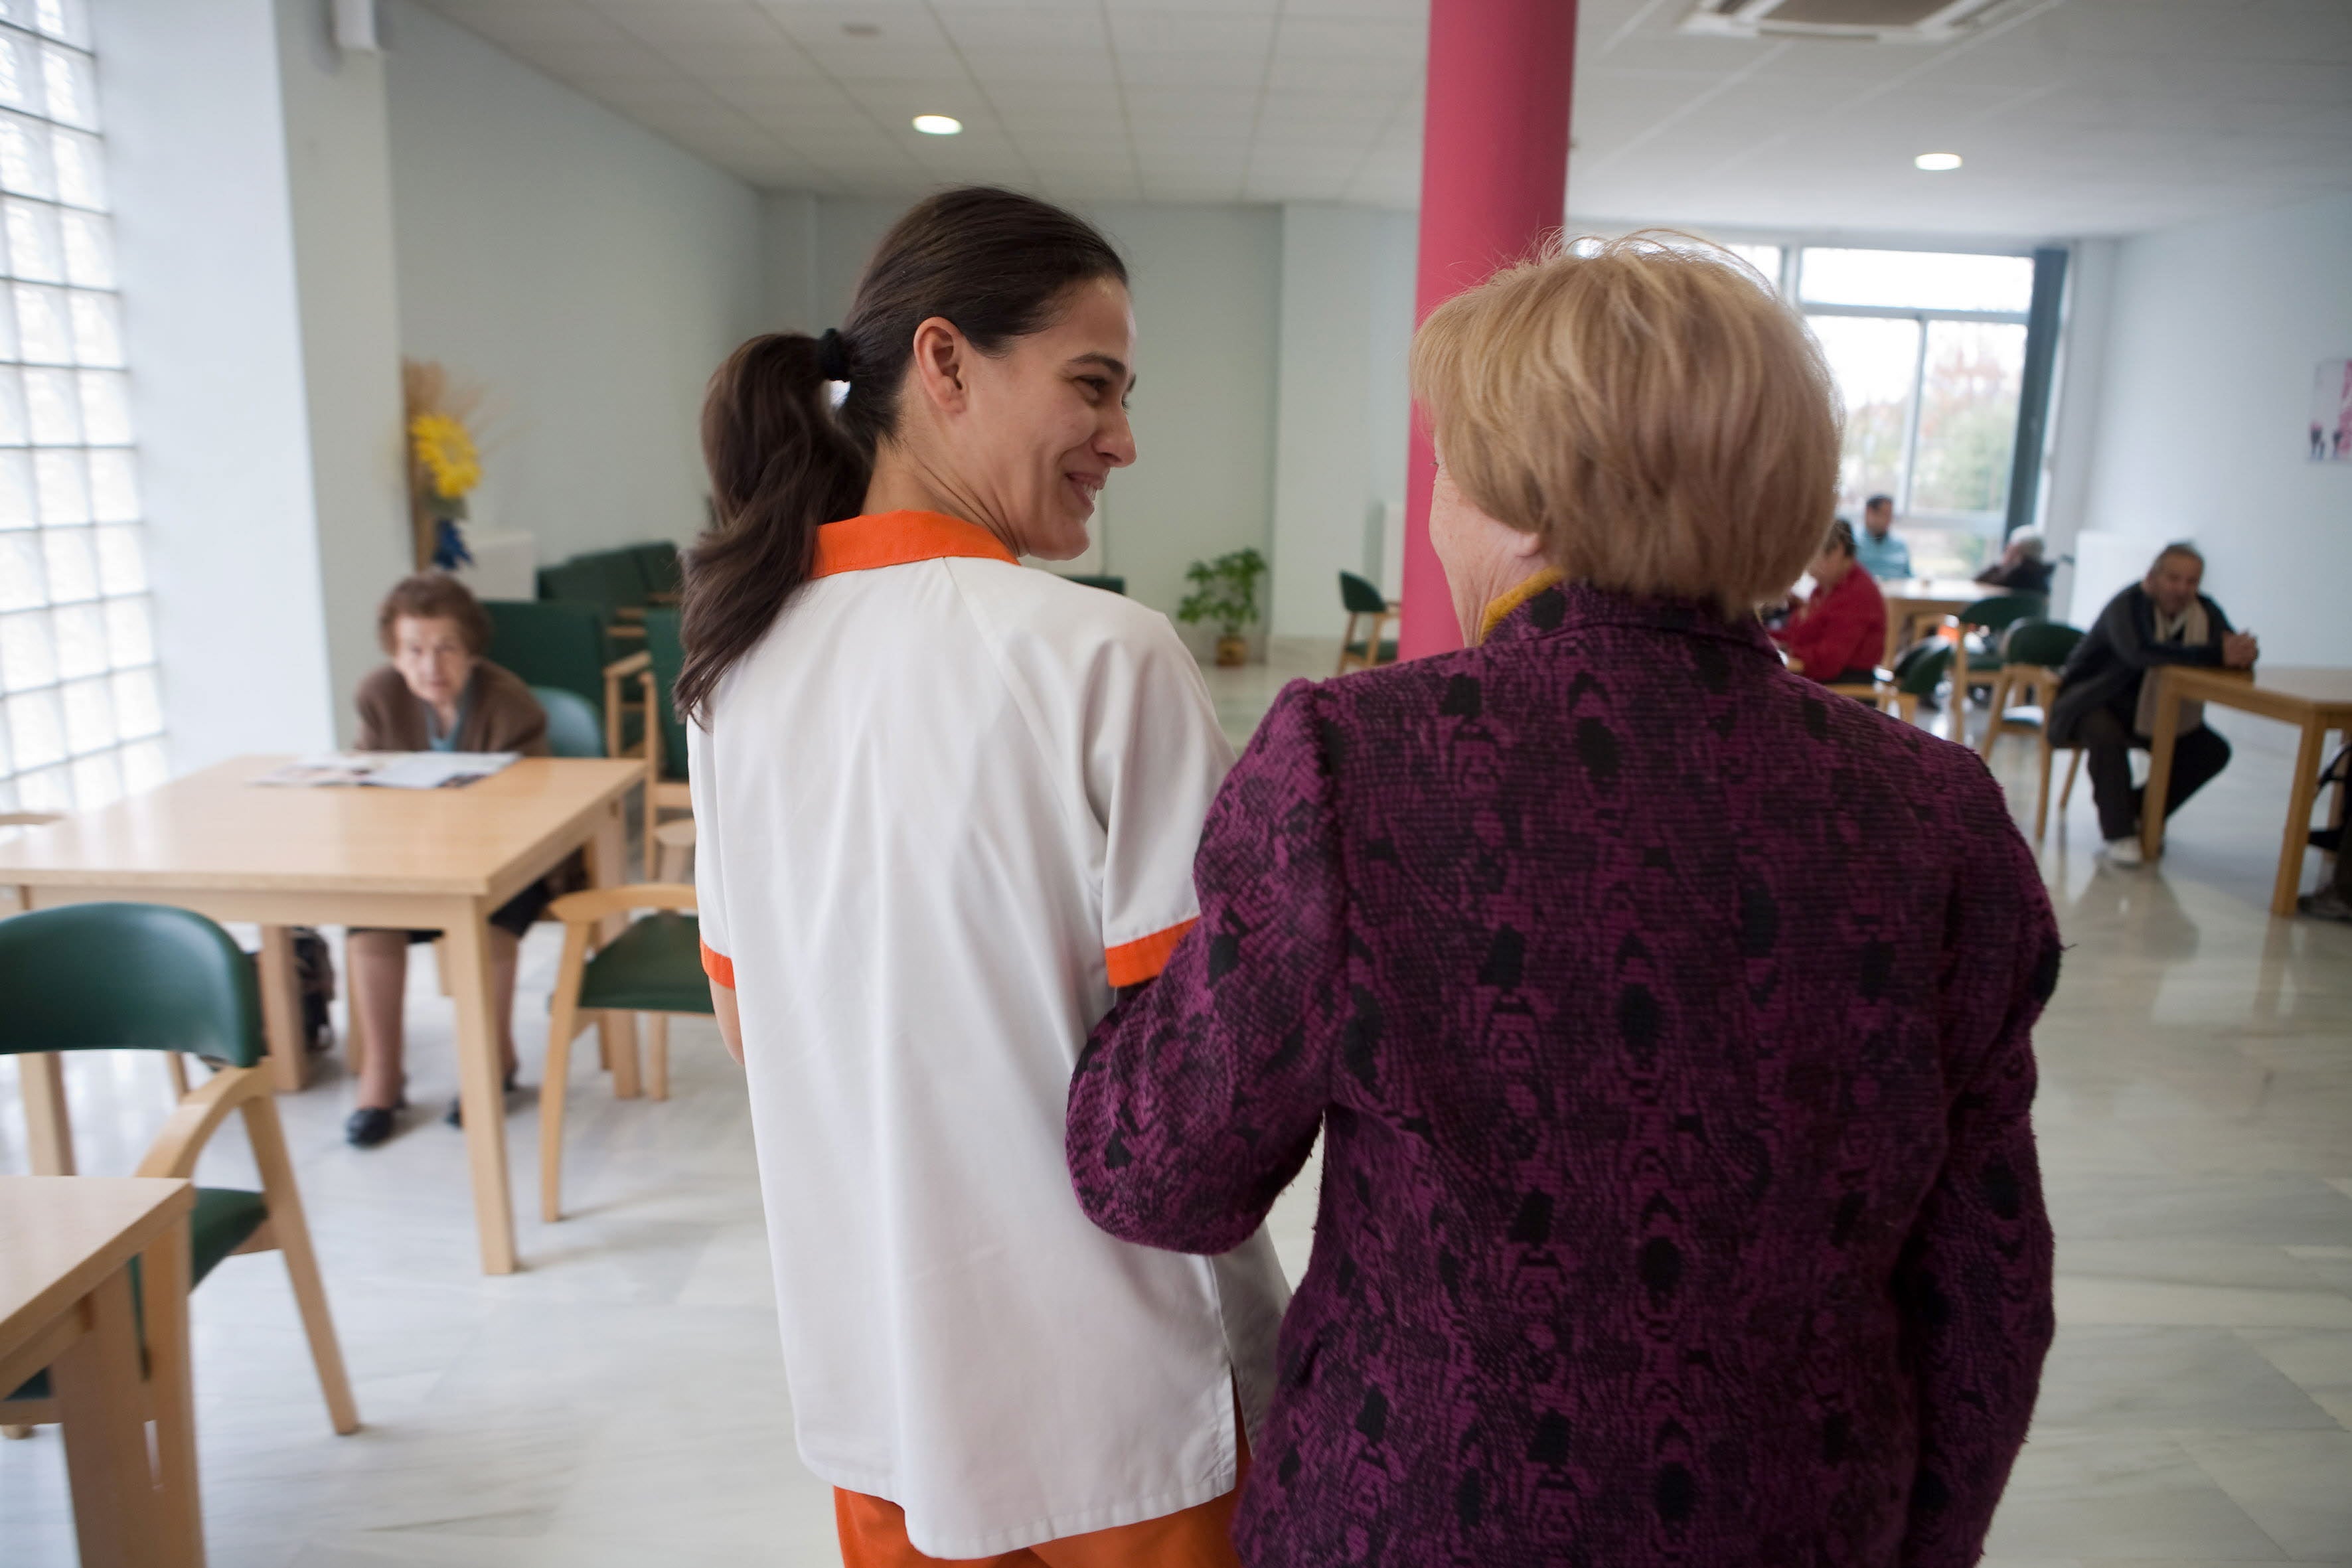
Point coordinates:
[[80, 714]]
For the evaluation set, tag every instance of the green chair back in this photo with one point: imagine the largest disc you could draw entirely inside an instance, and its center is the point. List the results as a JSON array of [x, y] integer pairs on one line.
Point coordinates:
[[609, 579], [551, 642], [2039, 642], [658, 566], [1922, 668], [1359, 597], [1089, 580], [141, 977], [2003, 611], [669, 662], [573, 726]]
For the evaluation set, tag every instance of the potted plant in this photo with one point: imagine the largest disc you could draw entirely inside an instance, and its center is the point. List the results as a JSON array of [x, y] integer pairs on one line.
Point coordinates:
[[1224, 595]]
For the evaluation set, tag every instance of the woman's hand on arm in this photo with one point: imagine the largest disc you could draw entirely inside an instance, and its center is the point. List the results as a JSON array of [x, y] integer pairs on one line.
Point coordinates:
[[1198, 1098], [730, 1023]]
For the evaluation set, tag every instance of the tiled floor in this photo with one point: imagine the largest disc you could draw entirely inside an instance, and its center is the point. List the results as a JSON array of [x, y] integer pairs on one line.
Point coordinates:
[[620, 1400]]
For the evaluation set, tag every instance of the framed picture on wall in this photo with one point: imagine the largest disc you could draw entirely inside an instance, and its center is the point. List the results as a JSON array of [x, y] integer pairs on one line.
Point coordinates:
[[2331, 412]]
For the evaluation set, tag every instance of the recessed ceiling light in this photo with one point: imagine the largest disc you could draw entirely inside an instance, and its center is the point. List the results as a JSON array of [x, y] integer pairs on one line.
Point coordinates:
[[861, 29], [938, 124], [1937, 162]]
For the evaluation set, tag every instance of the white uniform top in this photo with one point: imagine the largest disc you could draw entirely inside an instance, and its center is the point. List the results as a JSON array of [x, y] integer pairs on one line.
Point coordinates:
[[943, 806]]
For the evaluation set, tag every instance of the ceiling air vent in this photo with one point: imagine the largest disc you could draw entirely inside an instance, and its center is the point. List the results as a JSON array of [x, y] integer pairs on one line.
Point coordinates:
[[1885, 21]]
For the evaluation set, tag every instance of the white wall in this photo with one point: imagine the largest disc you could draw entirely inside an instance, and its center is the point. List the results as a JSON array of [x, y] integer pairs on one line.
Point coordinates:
[[339, 180], [2213, 334], [1347, 319], [1207, 305], [197, 138], [587, 274]]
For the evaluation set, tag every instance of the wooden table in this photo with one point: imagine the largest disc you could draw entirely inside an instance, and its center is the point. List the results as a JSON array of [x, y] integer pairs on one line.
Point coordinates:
[[2313, 699], [419, 859], [66, 1246], [1912, 599]]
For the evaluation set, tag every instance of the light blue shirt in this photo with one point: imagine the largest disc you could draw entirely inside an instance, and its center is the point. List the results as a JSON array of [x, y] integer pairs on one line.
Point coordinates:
[[1885, 559]]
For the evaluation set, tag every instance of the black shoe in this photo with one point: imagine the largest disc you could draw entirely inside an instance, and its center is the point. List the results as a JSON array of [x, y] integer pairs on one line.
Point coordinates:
[[367, 1127], [2326, 904], [456, 1117]]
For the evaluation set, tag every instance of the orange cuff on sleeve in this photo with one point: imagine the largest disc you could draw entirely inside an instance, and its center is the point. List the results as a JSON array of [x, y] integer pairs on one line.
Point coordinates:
[[718, 966], [1133, 962]]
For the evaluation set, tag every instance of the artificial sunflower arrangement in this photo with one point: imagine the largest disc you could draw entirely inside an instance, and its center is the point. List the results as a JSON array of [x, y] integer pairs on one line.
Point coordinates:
[[443, 465]]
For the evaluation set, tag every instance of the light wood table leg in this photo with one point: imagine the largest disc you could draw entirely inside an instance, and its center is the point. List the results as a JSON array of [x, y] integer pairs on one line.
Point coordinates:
[[48, 1126], [164, 1302], [608, 867], [2300, 799], [2160, 767], [281, 1010], [98, 1401], [481, 1091]]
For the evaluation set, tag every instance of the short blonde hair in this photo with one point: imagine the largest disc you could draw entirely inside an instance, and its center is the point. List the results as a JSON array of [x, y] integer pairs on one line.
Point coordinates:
[[1649, 407]]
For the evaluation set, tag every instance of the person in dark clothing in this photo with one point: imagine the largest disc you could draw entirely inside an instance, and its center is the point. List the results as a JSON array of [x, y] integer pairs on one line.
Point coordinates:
[[2106, 706], [2021, 569]]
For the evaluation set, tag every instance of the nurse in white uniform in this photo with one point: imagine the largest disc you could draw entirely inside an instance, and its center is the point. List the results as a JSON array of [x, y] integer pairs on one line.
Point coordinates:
[[947, 806]]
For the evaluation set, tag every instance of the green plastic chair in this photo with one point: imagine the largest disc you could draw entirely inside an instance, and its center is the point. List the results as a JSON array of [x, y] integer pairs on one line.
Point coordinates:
[[561, 644], [1918, 670], [1986, 620], [665, 787], [1109, 585], [147, 977], [660, 568], [654, 966], [611, 580], [2033, 652], [1362, 600], [573, 726]]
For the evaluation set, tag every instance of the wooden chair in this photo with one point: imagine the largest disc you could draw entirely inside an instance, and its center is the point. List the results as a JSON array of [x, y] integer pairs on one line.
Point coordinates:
[[654, 966], [665, 784], [150, 977], [2032, 654], [1363, 602]]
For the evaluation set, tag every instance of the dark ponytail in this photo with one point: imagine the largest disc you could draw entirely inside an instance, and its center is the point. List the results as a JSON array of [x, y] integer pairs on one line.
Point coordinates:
[[784, 461]]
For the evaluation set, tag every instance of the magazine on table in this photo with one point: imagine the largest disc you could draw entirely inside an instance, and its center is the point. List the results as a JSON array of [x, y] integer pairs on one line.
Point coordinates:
[[389, 770]]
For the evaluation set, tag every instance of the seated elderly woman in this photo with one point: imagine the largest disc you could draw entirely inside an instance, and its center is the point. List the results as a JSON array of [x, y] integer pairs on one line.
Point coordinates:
[[437, 694], [1667, 1024], [1838, 634]]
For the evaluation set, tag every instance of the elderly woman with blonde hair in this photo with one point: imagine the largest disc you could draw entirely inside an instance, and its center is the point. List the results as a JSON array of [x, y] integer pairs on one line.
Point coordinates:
[[1666, 1021]]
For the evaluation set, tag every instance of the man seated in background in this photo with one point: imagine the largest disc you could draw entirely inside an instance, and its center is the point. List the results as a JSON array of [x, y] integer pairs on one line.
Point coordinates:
[[1841, 631], [2106, 704], [2021, 569], [1881, 554]]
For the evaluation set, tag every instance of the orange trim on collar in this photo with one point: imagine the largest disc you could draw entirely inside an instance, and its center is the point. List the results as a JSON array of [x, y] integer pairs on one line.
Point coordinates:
[[896, 538], [1528, 588], [1133, 962], [718, 966]]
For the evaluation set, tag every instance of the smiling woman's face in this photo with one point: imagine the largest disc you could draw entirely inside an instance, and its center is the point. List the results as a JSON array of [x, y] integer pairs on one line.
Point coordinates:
[[1047, 421]]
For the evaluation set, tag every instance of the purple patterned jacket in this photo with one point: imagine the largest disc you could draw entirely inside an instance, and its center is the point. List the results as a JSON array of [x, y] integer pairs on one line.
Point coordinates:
[[1668, 1024]]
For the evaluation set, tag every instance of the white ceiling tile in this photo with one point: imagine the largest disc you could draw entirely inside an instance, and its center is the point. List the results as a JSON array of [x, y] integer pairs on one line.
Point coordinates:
[[1353, 38], [613, 60], [1192, 70], [541, 21], [1227, 102], [1040, 73], [900, 23], [1189, 33], [694, 21], [778, 61], [1363, 10], [1311, 73], [1003, 27], [1198, 7]]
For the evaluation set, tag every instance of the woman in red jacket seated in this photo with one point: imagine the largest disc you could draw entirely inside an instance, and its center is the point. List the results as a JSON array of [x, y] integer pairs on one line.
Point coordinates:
[[1840, 634]]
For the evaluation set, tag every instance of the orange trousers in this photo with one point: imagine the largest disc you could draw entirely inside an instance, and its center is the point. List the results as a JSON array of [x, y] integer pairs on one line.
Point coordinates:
[[874, 1535]]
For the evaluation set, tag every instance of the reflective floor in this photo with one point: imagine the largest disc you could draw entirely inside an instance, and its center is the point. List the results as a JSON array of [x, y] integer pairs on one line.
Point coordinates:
[[620, 1401]]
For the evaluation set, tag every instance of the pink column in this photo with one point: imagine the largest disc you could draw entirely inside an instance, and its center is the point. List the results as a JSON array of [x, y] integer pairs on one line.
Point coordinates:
[[1494, 179]]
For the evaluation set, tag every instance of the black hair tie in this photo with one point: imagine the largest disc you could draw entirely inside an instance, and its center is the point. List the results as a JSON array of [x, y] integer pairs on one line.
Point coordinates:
[[833, 356]]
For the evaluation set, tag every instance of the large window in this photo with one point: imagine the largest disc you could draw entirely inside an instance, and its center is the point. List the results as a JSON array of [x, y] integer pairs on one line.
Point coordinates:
[[1928, 349], [83, 718]]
